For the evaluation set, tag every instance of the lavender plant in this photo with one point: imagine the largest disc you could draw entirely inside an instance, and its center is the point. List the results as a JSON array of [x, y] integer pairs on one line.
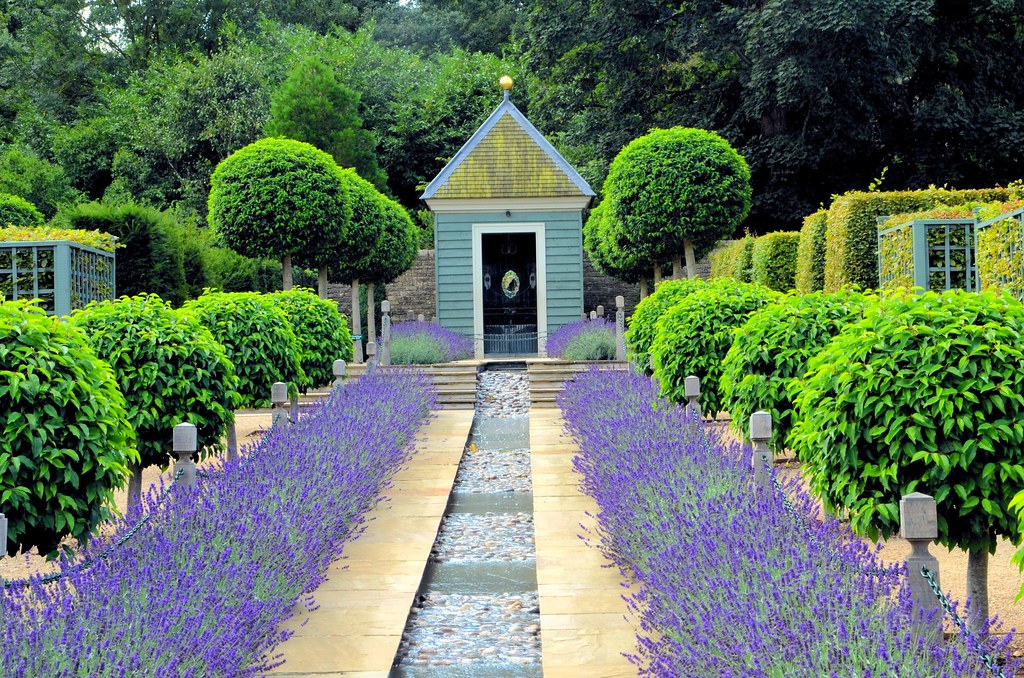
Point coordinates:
[[729, 581], [202, 588], [583, 340], [425, 343]]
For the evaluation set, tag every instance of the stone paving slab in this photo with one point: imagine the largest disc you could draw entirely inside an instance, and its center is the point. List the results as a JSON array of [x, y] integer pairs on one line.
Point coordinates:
[[363, 605]]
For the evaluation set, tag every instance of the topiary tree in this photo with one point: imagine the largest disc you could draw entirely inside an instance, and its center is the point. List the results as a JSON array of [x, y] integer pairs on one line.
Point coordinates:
[[770, 352], [150, 257], [279, 198], [170, 369], [676, 191], [321, 331], [924, 394], [16, 211], [773, 263], [694, 335], [66, 443], [643, 322], [394, 253], [257, 337]]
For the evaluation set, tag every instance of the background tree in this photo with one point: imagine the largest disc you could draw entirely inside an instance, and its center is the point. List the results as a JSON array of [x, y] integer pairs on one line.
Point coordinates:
[[676, 191], [278, 197], [312, 106], [16, 211]]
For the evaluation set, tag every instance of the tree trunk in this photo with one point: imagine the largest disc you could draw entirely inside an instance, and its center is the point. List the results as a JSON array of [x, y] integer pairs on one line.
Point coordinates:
[[232, 439], [321, 282], [643, 288], [677, 266], [357, 325], [691, 263], [286, 272], [977, 590], [371, 313], [134, 487], [657, 276]]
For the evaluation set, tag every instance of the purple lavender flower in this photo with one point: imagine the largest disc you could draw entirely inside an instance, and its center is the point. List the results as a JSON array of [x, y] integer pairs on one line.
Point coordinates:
[[424, 343], [583, 340]]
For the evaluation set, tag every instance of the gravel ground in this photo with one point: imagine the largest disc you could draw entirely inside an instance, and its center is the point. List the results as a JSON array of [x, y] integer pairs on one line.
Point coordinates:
[[494, 471], [480, 537], [502, 394]]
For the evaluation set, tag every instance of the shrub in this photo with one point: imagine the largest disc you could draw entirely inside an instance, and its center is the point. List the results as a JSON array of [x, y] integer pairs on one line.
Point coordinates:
[[152, 259], [66, 442], [39, 181], [723, 259], [744, 266], [426, 343], [96, 239], [203, 588], [15, 211], [851, 236], [258, 338], [322, 333], [774, 260], [770, 353], [583, 340], [169, 367], [694, 335], [703, 555], [642, 324], [810, 254]]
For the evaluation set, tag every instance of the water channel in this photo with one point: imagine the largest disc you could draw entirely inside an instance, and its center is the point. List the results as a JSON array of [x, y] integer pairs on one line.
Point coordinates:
[[477, 611]]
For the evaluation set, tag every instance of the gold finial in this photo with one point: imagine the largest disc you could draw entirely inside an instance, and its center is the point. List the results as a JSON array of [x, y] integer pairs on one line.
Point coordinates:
[[506, 83]]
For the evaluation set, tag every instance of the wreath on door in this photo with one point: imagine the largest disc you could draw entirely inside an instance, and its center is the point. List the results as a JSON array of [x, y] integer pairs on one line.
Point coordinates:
[[510, 284]]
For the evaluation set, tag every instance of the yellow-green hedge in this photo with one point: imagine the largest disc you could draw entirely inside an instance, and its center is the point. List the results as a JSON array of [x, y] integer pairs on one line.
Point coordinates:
[[96, 239], [810, 255], [1000, 257], [774, 260], [851, 236], [723, 258]]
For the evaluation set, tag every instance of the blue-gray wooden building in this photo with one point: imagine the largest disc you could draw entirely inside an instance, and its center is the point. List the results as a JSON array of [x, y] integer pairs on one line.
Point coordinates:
[[508, 237]]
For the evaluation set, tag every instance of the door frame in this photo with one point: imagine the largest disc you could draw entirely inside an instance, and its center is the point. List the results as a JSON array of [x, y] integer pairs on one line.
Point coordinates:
[[539, 231]]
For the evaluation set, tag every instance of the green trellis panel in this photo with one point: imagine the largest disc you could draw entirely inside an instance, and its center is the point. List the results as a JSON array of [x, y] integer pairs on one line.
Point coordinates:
[[63, 275], [942, 252]]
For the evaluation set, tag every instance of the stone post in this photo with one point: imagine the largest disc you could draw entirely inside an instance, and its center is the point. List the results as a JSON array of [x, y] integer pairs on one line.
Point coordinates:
[[232, 439], [295, 405], [593, 315], [691, 389], [3, 534], [279, 397], [357, 328], [421, 318], [919, 525], [385, 333], [761, 455], [620, 327], [371, 357], [185, 441], [600, 310], [409, 316], [339, 369]]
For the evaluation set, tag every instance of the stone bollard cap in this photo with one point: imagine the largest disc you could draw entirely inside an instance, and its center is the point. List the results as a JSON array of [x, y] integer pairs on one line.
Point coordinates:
[[371, 348], [339, 368], [279, 393], [760, 426], [385, 306], [186, 438], [620, 301], [918, 517], [691, 387]]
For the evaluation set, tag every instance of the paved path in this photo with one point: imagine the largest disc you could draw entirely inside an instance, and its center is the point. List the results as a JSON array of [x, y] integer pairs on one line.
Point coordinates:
[[363, 605]]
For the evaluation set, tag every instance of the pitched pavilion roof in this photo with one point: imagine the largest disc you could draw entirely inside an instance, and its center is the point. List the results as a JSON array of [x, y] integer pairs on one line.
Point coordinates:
[[507, 158]]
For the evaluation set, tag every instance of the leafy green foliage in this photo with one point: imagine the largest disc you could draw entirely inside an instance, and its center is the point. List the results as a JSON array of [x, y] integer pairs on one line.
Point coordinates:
[[774, 260], [744, 271], [1000, 256], [356, 255], [169, 367], [810, 254], [723, 259], [924, 394], [322, 333], [66, 441], [642, 325], [16, 211], [674, 185], [695, 334], [25, 174], [151, 260], [770, 352], [257, 337], [397, 247], [101, 241]]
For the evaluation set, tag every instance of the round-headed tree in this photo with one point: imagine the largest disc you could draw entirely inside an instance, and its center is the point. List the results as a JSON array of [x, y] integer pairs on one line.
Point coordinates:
[[67, 443], [16, 211], [643, 322], [170, 369], [677, 192], [607, 254], [278, 198], [770, 352], [321, 331], [924, 394], [693, 336], [394, 254], [257, 337]]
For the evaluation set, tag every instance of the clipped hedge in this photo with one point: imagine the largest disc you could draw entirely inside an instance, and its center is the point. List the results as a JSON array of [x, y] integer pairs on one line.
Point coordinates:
[[810, 254], [66, 442], [322, 333], [851, 237], [95, 239], [694, 335], [743, 270], [773, 263], [642, 324], [723, 259], [17, 211], [770, 352], [258, 338]]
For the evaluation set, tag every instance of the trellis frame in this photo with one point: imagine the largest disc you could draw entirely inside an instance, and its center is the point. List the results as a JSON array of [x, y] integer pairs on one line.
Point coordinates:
[[64, 275], [941, 257]]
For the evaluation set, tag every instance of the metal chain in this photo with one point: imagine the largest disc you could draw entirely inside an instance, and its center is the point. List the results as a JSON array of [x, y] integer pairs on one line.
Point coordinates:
[[86, 564], [947, 607]]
